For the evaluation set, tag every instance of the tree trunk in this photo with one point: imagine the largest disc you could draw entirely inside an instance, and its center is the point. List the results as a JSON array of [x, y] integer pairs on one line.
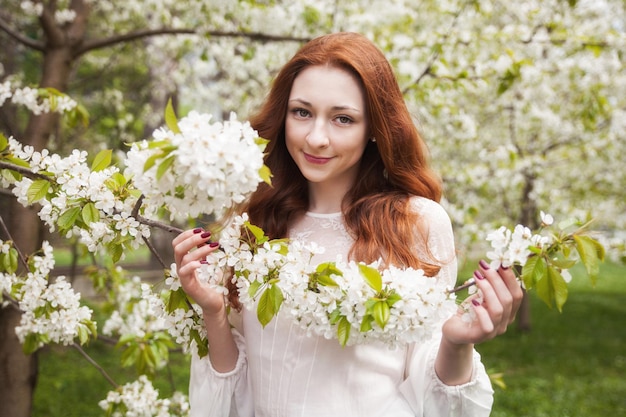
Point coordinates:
[[528, 217], [18, 372]]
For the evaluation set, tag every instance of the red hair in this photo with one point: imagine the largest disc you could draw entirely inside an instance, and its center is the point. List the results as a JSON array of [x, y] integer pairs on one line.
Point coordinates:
[[377, 210]]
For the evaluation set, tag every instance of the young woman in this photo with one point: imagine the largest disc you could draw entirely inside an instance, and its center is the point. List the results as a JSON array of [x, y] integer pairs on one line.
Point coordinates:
[[351, 174]]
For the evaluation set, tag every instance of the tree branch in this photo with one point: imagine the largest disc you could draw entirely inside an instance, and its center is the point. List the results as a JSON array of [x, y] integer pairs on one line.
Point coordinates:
[[143, 220], [131, 36], [157, 224], [95, 364], [21, 256], [24, 40], [24, 171]]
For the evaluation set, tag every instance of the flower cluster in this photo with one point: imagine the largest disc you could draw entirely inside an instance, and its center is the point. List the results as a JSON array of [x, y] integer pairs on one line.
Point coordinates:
[[197, 166], [545, 260], [513, 247], [352, 302], [93, 204], [137, 311], [37, 100], [51, 311], [183, 319], [140, 398]]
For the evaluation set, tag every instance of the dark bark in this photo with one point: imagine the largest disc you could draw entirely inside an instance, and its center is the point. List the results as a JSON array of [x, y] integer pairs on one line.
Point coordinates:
[[528, 217], [18, 373]]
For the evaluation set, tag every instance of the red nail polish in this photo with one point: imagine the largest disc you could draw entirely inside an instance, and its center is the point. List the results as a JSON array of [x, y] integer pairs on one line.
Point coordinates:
[[214, 244], [504, 267], [197, 230], [478, 275], [475, 302], [204, 262], [483, 264], [205, 235]]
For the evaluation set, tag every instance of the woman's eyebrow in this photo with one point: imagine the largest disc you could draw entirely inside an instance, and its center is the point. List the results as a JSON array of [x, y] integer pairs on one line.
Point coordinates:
[[338, 107]]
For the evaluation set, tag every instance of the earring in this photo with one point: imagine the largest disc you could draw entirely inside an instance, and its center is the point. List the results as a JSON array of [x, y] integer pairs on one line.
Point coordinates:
[[373, 139]]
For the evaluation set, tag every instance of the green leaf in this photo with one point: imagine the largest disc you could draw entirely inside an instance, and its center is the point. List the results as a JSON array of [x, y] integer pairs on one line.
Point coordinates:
[[4, 142], [591, 254], [262, 142], [130, 356], [115, 250], [164, 166], [151, 161], [393, 298], [17, 161], [258, 233], [170, 117], [90, 213], [254, 287], [372, 277], [37, 190], [381, 313], [102, 160], [68, 218], [343, 331], [12, 263], [335, 316], [265, 174], [326, 280], [203, 344], [31, 343], [269, 304], [329, 268], [177, 299], [533, 271], [116, 181], [366, 324], [552, 289]]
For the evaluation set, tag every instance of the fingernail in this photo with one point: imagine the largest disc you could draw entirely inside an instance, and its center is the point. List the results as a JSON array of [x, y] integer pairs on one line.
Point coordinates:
[[478, 275], [483, 264], [475, 302], [204, 261], [197, 230], [214, 244], [205, 235], [504, 267]]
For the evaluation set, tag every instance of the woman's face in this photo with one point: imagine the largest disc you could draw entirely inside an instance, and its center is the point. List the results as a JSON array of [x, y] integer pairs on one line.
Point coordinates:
[[326, 125]]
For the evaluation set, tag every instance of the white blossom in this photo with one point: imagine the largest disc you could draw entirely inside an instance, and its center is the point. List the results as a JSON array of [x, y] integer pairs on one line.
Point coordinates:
[[216, 165]]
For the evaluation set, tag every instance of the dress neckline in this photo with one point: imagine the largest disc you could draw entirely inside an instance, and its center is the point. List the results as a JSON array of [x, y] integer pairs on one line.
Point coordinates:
[[323, 215]]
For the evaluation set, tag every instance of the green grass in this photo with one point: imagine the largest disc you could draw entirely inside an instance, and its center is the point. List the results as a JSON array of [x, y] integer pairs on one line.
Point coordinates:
[[571, 364], [69, 386]]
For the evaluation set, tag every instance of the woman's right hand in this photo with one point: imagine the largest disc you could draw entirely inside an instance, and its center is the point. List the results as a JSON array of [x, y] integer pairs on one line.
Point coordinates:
[[190, 251]]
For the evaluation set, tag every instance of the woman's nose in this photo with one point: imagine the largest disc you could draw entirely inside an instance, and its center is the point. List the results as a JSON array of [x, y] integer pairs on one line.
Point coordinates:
[[318, 135]]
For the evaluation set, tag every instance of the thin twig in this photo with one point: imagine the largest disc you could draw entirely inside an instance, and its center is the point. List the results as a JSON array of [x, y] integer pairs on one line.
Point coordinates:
[[157, 224], [95, 364], [467, 284], [21, 256], [154, 252], [12, 301]]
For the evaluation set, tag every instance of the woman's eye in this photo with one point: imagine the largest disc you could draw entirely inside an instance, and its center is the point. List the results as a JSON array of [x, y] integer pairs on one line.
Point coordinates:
[[344, 120], [300, 112]]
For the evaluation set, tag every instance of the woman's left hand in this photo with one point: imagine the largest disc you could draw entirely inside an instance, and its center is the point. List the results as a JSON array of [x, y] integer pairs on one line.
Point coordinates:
[[494, 305]]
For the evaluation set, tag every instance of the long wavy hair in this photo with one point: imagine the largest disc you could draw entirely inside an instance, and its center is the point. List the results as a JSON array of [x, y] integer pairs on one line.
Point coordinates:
[[395, 167]]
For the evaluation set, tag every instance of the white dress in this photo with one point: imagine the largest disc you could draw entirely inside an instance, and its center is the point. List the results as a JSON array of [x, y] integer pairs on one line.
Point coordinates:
[[280, 372]]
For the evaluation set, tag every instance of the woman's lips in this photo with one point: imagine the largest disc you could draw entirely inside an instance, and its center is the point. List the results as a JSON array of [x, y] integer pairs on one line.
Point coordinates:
[[316, 159]]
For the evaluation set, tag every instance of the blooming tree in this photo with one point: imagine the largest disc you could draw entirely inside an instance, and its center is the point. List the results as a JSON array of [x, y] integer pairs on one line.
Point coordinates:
[[514, 99]]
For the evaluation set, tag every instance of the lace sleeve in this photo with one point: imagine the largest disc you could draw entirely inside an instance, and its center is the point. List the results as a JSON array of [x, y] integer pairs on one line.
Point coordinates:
[[440, 237]]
